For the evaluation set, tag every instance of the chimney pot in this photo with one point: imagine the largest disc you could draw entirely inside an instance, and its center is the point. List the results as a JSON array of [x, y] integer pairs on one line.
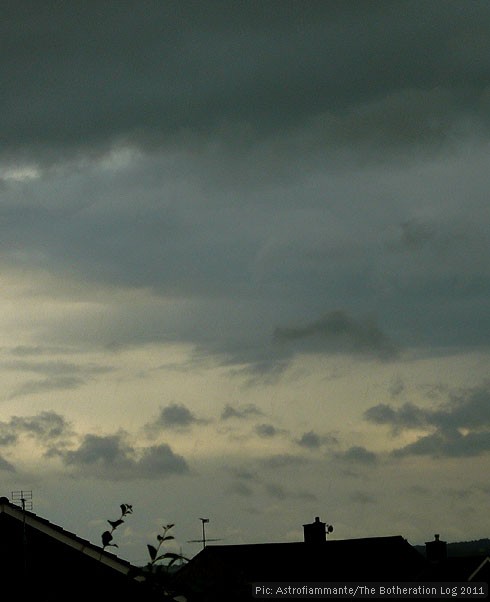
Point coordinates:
[[315, 532], [436, 550]]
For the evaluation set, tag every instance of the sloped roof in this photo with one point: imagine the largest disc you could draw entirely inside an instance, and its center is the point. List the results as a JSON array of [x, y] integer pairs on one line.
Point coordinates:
[[8, 509], [482, 571], [458, 568]]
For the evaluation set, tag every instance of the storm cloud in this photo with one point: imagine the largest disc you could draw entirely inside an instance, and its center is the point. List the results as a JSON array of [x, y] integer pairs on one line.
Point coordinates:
[[198, 152], [149, 72]]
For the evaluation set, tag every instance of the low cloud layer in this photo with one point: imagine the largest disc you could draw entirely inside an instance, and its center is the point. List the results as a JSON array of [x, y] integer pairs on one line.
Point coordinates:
[[458, 427]]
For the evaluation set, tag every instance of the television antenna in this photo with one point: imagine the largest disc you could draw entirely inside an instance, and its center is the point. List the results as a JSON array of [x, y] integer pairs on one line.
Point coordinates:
[[23, 498], [203, 540]]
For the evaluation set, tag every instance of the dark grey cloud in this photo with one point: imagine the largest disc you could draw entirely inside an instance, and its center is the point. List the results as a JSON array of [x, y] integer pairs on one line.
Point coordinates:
[[174, 416], [85, 77], [58, 375], [312, 440], [357, 454], [6, 466], [239, 282], [459, 426], [240, 412], [54, 383], [469, 408], [448, 443], [112, 457], [160, 460], [267, 430], [230, 161], [407, 416], [8, 435], [339, 332], [46, 427]]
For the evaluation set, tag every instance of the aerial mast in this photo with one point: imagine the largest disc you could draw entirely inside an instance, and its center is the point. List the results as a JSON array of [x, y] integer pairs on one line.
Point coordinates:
[[203, 540]]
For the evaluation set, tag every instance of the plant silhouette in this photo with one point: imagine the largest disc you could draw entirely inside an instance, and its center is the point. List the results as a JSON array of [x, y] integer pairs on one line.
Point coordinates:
[[157, 573], [107, 536], [154, 551]]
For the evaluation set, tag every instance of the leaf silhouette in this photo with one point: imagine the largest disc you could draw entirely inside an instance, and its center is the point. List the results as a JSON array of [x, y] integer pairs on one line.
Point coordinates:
[[106, 538], [115, 523], [152, 551]]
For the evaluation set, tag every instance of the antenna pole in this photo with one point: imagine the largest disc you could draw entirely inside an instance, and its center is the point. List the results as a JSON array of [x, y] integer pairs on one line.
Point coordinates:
[[24, 537], [25, 499], [204, 521]]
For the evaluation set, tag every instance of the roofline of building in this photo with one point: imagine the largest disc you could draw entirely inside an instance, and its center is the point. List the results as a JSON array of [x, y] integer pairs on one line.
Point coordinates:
[[302, 543], [66, 537], [479, 567]]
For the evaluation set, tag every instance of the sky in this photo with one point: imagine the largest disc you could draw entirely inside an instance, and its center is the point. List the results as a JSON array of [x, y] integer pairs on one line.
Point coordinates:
[[245, 268]]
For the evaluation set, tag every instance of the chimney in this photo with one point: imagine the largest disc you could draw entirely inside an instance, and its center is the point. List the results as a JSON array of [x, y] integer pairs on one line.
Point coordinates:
[[436, 550], [315, 532]]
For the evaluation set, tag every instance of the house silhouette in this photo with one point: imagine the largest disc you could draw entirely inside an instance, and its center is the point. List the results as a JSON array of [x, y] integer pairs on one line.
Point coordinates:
[[227, 572], [43, 560], [442, 567]]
